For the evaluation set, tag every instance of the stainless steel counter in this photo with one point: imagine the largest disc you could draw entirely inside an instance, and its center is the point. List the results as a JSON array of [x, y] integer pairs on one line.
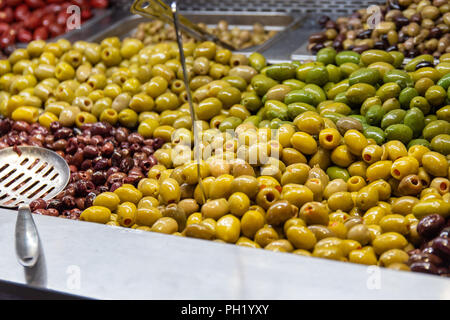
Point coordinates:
[[105, 262]]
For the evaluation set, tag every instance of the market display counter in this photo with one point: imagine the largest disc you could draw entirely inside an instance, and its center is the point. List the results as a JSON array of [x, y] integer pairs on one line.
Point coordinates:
[[104, 262]]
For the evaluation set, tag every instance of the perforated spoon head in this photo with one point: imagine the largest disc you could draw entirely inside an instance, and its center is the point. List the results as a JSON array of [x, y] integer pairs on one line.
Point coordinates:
[[28, 173]]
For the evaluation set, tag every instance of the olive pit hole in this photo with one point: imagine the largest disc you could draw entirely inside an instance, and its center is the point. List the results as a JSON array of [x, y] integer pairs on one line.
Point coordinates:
[[270, 197]]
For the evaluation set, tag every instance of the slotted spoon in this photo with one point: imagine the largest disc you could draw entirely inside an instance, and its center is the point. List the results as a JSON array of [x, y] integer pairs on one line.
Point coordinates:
[[28, 173]]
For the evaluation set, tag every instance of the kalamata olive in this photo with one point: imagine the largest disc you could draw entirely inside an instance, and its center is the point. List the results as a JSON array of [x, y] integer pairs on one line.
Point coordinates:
[[40, 212], [53, 212], [102, 189], [70, 191], [337, 45], [5, 126], [445, 233], [125, 153], [63, 133], [115, 186], [424, 267], [38, 204], [435, 32], [55, 204], [99, 178], [21, 126], [116, 158], [101, 164], [427, 257], [401, 21], [116, 177], [381, 45], [147, 150], [416, 17], [126, 164], [100, 128], [55, 126], [361, 48], [107, 149], [125, 146], [135, 138], [89, 199], [76, 131], [48, 141], [60, 144], [132, 179], [442, 246], [317, 37], [96, 140], [78, 158], [90, 152], [430, 226], [157, 143], [68, 202], [74, 214], [112, 170], [72, 145], [145, 164], [86, 164]]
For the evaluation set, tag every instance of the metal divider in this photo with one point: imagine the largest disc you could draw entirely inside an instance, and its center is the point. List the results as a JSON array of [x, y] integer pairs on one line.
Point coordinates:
[[340, 7]]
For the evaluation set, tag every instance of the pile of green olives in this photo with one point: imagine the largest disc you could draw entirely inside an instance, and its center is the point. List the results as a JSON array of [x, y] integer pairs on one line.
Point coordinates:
[[390, 102]]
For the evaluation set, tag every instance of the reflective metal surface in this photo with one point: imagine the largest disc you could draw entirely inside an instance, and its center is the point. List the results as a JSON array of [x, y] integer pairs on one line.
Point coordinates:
[[34, 173], [105, 262], [28, 173]]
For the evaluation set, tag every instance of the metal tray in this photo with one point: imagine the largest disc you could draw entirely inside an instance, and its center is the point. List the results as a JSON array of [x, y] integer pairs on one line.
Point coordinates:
[[83, 258], [79, 34], [124, 24]]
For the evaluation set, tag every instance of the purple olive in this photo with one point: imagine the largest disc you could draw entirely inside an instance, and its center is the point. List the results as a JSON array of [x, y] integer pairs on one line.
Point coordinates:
[[430, 226]]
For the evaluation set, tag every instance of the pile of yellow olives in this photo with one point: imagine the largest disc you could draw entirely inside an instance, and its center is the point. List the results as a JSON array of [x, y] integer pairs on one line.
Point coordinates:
[[337, 158]]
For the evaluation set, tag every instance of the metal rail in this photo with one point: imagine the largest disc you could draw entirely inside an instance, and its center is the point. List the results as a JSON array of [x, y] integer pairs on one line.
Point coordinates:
[[98, 261]]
